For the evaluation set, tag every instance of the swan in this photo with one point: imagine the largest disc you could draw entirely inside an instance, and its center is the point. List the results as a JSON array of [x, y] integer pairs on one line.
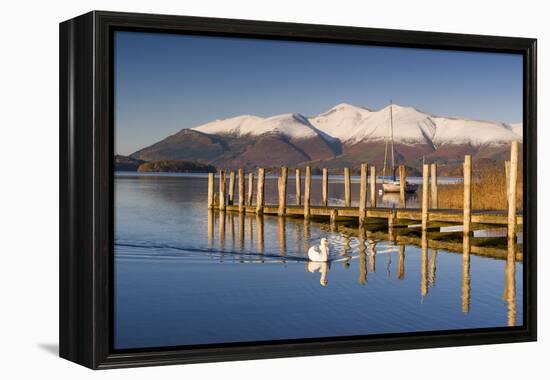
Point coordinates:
[[319, 253]]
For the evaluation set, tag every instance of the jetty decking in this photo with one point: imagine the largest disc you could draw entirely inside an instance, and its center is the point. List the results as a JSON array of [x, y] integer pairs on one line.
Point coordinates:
[[367, 212]]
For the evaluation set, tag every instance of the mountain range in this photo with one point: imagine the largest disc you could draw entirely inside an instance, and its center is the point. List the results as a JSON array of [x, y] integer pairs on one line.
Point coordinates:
[[345, 135]]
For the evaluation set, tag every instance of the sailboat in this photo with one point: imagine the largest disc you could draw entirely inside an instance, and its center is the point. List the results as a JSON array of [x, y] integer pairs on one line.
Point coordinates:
[[392, 185]]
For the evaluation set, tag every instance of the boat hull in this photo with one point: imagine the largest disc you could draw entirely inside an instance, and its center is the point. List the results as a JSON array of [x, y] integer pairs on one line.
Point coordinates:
[[394, 187]]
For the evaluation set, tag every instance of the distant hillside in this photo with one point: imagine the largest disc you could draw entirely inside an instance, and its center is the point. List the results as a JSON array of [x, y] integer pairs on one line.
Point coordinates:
[[345, 135], [127, 164], [175, 166]]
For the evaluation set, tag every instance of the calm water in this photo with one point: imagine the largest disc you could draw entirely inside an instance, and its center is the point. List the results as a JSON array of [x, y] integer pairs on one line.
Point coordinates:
[[186, 276]]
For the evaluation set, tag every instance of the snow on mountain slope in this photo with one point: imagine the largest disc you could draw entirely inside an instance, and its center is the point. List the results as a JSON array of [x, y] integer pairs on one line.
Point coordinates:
[[351, 124], [517, 128], [460, 131], [292, 125]]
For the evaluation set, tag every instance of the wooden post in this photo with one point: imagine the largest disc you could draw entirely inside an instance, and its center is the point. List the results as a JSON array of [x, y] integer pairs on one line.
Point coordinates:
[[298, 187], [222, 190], [435, 202], [425, 184], [210, 232], [391, 220], [513, 188], [507, 171], [402, 184], [401, 263], [347, 187], [373, 186], [231, 187], [467, 193], [324, 186], [424, 263], [363, 195], [210, 191], [241, 190], [250, 188], [282, 190], [307, 186], [260, 192]]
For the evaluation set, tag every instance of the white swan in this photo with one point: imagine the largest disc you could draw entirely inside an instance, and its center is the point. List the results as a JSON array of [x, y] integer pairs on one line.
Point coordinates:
[[319, 253]]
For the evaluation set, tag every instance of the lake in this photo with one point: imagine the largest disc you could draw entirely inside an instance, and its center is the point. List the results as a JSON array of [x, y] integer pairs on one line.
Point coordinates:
[[187, 276]]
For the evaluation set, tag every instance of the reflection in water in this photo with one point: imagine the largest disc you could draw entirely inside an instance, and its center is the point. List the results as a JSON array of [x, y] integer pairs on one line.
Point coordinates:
[[281, 235], [466, 273], [372, 256], [433, 263], [362, 257], [241, 232], [315, 266], [366, 261], [424, 265], [259, 233], [401, 264], [222, 229], [210, 229], [510, 282]]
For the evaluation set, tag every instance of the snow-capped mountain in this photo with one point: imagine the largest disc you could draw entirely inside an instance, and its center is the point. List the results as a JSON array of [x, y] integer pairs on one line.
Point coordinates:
[[341, 135]]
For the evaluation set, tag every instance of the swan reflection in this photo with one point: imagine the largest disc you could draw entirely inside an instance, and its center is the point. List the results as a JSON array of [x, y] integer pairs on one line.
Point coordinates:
[[316, 266]]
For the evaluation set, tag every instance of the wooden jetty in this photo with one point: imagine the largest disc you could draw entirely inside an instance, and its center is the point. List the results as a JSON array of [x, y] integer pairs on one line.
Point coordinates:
[[428, 215]]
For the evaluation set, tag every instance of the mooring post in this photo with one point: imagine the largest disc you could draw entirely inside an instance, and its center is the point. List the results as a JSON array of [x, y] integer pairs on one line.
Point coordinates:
[[260, 192], [434, 185], [250, 188], [425, 194], [467, 193], [324, 188], [402, 184], [373, 186], [513, 190], [210, 191], [298, 187], [424, 263], [363, 195], [507, 172], [391, 220], [222, 190], [307, 186], [231, 187], [241, 190], [347, 187], [282, 190]]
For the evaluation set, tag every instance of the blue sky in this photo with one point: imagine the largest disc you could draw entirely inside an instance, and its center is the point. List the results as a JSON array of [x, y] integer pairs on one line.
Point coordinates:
[[164, 82]]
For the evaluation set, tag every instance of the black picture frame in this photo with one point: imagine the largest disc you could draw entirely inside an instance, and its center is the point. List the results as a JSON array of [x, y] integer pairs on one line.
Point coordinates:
[[86, 187]]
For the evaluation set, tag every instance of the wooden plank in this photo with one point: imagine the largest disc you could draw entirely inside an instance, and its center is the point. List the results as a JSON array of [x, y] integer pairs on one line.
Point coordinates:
[[210, 191], [402, 184], [241, 190], [467, 205], [433, 178], [363, 195], [324, 188], [425, 179], [307, 187], [260, 192], [298, 187], [282, 190], [347, 188], [513, 189]]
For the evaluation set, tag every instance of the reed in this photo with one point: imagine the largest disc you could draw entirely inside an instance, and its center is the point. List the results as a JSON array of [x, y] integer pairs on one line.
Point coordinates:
[[488, 191]]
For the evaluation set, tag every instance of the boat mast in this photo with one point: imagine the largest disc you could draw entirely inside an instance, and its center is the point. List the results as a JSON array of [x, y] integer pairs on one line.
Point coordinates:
[[391, 137]]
